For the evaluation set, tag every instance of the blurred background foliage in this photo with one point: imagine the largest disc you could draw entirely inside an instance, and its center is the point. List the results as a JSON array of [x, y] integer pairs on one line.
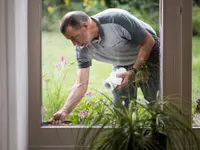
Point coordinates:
[[146, 10], [53, 10]]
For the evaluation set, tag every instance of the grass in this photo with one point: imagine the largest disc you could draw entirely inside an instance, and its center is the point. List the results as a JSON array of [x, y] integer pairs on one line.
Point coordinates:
[[196, 67]]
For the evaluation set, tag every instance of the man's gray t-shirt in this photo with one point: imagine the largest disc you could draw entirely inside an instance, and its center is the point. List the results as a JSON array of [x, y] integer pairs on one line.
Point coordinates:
[[120, 36]]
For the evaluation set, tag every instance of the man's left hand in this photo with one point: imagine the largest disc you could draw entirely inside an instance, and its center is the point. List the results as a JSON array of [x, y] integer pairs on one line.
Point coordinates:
[[126, 78]]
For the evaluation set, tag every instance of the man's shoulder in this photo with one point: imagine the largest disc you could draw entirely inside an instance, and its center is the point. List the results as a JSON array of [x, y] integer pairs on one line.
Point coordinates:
[[111, 15], [111, 12]]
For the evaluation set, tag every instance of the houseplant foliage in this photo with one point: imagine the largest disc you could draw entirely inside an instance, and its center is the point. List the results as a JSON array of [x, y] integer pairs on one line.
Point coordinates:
[[139, 127]]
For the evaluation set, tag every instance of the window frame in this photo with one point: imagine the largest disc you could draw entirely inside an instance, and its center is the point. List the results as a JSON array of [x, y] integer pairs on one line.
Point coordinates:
[[176, 24]]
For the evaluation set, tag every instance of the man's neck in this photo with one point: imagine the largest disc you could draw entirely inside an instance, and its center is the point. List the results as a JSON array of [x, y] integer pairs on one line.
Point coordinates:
[[94, 30]]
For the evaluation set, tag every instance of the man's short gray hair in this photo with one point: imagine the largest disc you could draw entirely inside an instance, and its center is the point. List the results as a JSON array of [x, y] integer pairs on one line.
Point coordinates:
[[73, 19]]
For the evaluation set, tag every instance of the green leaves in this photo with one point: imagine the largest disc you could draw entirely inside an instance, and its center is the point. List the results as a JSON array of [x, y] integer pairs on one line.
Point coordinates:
[[140, 127]]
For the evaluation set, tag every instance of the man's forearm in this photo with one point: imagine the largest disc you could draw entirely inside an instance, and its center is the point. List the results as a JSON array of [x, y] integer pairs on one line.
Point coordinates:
[[76, 94], [144, 52], [141, 58]]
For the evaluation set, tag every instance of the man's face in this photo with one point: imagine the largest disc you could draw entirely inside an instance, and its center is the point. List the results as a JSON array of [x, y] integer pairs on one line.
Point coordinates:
[[80, 36]]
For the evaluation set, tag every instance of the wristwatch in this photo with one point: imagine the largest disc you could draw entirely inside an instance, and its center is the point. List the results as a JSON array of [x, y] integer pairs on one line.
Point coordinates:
[[134, 70]]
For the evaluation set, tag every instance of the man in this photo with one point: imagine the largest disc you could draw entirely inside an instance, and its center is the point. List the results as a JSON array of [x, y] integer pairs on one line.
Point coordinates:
[[112, 36]]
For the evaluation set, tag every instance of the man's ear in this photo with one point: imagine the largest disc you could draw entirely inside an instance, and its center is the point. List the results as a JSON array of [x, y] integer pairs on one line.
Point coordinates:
[[84, 25]]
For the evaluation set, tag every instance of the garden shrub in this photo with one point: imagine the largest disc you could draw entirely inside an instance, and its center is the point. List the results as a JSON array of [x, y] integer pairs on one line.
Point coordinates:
[[196, 21]]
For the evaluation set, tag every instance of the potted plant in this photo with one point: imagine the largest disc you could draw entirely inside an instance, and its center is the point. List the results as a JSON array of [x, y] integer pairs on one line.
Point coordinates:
[[139, 127]]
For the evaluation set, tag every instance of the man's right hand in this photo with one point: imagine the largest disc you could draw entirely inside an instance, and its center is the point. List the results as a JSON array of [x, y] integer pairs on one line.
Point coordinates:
[[59, 117], [76, 94]]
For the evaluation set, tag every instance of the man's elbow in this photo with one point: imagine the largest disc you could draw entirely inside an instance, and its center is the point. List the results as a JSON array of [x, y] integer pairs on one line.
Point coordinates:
[[82, 85]]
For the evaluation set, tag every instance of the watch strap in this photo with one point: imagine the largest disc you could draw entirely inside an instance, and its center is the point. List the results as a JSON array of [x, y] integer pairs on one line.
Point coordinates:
[[134, 70]]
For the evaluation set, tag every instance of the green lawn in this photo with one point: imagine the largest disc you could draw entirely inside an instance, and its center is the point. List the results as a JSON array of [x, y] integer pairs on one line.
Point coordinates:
[[55, 45], [196, 67]]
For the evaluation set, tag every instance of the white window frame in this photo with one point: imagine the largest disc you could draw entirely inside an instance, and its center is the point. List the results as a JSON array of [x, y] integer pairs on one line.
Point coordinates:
[[13, 75], [176, 22]]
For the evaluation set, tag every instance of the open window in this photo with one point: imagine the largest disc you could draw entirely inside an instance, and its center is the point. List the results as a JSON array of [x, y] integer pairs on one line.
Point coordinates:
[[59, 65], [175, 27]]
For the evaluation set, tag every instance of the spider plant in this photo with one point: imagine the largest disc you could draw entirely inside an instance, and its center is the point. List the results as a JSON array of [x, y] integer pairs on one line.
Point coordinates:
[[139, 127]]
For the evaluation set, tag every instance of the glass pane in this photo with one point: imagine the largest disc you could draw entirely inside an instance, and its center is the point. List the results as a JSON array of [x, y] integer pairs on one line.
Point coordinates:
[[115, 41], [196, 63]]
